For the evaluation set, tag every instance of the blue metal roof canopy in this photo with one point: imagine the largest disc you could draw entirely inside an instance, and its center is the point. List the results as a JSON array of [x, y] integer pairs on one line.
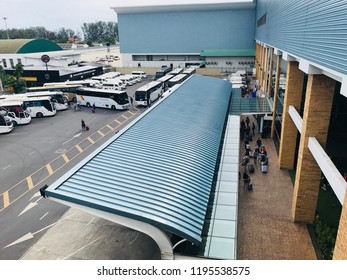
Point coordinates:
[[159, 170]]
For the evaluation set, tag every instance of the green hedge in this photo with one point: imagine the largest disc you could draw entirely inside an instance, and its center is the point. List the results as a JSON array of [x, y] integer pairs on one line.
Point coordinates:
[[326, 237]]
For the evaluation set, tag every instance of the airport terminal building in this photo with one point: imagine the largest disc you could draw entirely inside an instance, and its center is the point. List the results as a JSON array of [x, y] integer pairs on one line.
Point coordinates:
[[206, 35], [304, 41]]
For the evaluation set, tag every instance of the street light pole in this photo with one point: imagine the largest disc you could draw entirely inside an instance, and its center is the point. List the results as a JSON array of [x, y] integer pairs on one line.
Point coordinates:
[[5, 18]]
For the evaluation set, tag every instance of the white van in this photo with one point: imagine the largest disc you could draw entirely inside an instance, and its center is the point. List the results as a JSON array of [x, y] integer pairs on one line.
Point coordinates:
[[128, 80], [142, 74], [114, 84]]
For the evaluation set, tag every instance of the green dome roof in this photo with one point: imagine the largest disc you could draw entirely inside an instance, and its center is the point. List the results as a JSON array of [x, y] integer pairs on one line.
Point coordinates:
[[28, 46]]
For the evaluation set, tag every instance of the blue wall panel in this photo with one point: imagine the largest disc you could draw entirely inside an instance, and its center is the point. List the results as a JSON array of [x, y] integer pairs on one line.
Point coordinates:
[[186, 32], [314, 29]]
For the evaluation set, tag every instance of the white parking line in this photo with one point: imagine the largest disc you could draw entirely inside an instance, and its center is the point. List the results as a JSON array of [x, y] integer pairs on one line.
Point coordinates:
[[33, 152], [8, 166], [43, 216]]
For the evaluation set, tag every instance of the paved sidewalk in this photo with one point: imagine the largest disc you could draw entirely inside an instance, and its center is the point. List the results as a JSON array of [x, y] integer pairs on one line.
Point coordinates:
[[266, 230]]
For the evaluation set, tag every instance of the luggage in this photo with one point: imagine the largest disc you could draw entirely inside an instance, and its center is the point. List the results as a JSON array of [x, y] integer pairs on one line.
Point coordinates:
[[87, 127], [251, 168], [264, 168], [250, 187]]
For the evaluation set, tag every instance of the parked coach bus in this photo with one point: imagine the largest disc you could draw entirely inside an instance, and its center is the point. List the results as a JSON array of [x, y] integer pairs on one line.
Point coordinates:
[[103, 98], [164, 81], [176, 71], [177, 79], [59, 99], [162, 72], [16, 111], [190, 71], [68, 90], [148, 93], [37, 106]]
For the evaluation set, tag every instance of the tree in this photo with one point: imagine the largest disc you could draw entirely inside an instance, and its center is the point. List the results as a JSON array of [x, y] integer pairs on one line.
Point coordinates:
[[16, 81], [100, 32]]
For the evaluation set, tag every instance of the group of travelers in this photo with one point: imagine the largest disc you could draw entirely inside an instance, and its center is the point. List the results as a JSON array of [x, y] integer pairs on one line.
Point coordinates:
[[258, 155], [246, 92], [247, 129]]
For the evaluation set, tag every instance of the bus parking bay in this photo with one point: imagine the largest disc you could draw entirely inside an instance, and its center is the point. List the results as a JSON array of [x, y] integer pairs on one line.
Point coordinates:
[[30, 148]]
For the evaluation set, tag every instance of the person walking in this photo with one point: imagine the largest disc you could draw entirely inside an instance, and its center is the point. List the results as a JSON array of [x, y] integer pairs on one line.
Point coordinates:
[[93, 110], [247, 121], [131, 101], [83, 124], [253, 127]]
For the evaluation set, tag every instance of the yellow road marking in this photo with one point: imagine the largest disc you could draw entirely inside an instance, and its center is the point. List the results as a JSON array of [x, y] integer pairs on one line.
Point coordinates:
[[6, 199], [65, 158], [79, 148], [30, 182], [49, 169], [91, 140]]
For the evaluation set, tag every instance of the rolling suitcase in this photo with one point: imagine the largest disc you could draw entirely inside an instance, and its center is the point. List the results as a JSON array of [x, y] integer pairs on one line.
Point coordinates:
[[250, 187], [251, 168], [264, 168], [87, 127]]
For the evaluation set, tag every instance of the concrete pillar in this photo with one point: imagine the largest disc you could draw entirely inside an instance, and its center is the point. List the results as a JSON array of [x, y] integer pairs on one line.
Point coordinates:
[[269, 75], [319, 99], [340, 250], [293, 95], [277, 82]]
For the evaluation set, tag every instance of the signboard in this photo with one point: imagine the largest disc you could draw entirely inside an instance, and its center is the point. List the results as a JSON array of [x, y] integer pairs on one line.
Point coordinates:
[[45, 58]]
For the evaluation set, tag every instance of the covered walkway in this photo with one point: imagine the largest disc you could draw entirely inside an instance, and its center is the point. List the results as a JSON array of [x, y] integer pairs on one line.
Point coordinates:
[[266, 230]]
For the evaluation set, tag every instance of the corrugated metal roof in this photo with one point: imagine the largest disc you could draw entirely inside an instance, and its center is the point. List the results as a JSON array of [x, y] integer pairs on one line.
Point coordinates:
[[161, 169]]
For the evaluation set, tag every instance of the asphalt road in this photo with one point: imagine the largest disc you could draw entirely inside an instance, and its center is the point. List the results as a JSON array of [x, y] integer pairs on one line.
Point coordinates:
[[39, 153]]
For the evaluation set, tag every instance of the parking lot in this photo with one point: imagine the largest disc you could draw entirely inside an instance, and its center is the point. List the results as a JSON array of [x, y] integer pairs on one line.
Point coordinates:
[[39, 153]]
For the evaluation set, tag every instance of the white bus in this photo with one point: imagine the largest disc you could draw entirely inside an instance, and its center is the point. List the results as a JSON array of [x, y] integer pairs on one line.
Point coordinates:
[[190, 71], [59, 99], [148, 93], [177, 79], [38, 107], [68, 90], [6, 124], [16, 111], [85, 83], [164, 81], [103, 98], [176, 71]]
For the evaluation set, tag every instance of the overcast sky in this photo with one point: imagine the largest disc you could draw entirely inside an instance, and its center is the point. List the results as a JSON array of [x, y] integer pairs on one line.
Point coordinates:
[[71, 13]]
